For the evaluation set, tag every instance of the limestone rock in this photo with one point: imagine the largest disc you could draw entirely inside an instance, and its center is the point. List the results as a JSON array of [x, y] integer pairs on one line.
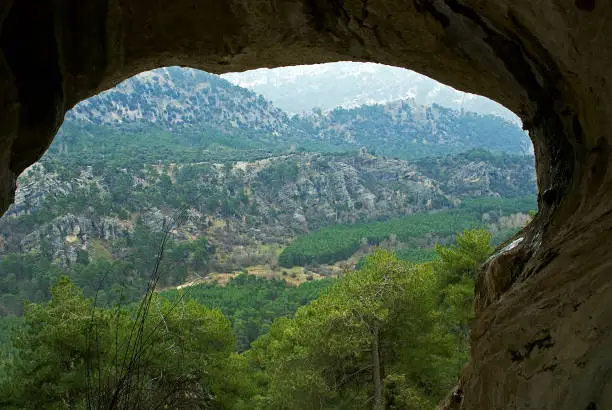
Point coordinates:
[[65, 235]]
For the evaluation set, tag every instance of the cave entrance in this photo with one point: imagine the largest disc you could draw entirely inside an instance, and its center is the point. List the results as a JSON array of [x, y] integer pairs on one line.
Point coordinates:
[[375, 156], [544, 300]]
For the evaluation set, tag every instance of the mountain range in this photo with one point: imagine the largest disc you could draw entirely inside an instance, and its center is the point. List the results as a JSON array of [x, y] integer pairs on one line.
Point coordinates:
[[300, 89], [209, 110]]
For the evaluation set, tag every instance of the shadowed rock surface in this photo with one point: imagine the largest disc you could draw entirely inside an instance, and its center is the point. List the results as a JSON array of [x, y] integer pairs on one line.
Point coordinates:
[[542, 335]]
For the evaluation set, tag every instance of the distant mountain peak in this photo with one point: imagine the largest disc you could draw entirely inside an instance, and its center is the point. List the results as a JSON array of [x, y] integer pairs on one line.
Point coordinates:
[[349, 84], [175, 97]]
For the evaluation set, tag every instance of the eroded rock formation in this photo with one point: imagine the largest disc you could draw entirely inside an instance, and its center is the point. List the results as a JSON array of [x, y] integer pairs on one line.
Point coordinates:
[[541, 339]]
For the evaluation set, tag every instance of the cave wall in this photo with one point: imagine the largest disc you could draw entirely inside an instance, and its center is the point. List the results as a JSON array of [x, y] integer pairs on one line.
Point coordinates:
[[543, 324]]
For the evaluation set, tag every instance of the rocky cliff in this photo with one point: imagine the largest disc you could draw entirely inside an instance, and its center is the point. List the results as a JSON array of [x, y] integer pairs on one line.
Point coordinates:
[[269, 200]]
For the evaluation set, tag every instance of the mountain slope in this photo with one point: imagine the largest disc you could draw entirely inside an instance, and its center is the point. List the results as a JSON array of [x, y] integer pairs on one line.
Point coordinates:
[[175, 98], [244, 181], [187, 115], [102, 223], [407, 130], [265, 201]]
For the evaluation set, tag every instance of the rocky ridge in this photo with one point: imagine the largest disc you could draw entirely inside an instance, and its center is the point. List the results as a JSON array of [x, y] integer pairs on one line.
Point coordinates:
[[264, 201]]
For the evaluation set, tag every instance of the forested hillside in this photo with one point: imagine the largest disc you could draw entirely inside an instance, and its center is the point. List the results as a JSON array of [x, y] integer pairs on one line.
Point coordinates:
[[406, 130], [389, 335], [101, 221], [417, 231], [176, 98], [203, 114], [239, 180]]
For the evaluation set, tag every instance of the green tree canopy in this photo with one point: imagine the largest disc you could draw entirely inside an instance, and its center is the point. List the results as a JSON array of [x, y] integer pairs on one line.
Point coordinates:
[[72, 355]]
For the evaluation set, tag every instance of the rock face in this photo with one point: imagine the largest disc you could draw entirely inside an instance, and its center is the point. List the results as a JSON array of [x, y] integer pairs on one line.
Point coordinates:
[[276, 198], [542, 340], [65, 235]]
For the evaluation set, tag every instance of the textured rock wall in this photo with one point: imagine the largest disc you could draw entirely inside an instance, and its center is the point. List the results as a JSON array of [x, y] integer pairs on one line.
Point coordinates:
[[543, 323]]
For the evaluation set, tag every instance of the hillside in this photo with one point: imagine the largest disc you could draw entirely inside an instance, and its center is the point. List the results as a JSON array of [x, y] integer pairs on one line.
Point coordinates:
[[176, 98], [89, 219], [269, 200], [256, 239], [187, 115], [407, 130]]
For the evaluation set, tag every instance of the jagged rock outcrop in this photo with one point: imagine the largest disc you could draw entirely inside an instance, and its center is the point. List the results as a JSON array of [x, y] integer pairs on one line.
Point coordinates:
[[299, 192], [65, 235], [478, 173], [544, 342]]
